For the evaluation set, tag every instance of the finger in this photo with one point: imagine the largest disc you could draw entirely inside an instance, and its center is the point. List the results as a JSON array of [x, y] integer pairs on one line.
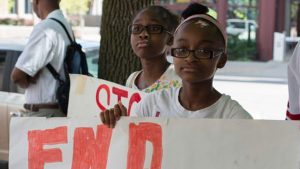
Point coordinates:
[[103, 114], [106, 117], [102, 117], [123, 110], [112, 119], [117, 112]]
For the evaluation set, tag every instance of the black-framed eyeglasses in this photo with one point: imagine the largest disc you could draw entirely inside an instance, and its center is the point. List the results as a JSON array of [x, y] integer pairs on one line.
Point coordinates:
[[151, 29], [198, 53]]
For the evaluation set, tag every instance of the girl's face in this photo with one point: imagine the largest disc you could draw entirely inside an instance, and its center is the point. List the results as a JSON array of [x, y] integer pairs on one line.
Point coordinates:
[[201, 65], [152, 39]]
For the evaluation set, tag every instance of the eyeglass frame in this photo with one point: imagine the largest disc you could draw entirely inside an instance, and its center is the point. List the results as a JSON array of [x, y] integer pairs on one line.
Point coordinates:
[[162, 29], [211, 53]]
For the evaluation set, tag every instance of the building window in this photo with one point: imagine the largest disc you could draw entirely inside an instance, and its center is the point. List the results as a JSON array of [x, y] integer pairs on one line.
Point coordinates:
[[28, 7], [12, 6]]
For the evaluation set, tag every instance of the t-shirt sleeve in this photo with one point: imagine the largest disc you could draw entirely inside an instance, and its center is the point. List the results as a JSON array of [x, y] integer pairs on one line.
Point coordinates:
[[238, 112], [36, 54], [130, 80], [293, 70], [146, 106]]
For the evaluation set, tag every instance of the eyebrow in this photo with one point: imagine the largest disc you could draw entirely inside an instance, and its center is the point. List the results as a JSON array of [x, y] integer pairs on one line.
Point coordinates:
[[152, 19], [203, 41]]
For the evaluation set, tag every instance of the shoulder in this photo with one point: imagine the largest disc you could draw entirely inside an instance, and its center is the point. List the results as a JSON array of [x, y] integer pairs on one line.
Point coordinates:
[[232, 109], [131, 79], [162, 97], [169, 79], [156, 101], [171, 73]]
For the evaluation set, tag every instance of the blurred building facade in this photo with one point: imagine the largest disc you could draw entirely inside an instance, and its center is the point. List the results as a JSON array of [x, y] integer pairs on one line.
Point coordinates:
[[272, 16], [21, 10]]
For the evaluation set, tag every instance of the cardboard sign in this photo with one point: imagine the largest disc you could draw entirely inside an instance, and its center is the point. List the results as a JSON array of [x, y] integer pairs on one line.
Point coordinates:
[[9, 102], [156, 143], [89, 96]]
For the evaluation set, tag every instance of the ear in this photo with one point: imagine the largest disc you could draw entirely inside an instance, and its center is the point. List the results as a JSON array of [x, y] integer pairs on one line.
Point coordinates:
[[222, 61], [170, 40], [36, 2]]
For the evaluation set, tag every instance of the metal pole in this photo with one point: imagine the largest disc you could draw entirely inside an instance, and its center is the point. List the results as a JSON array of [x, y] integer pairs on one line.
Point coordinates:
[[287, 17], [249, 16]]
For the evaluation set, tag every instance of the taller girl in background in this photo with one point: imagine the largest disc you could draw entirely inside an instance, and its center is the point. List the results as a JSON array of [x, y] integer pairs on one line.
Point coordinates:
[[151, 35]]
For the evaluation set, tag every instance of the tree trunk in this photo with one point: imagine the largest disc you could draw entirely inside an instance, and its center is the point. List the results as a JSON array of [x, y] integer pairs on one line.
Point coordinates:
[[117, 59]]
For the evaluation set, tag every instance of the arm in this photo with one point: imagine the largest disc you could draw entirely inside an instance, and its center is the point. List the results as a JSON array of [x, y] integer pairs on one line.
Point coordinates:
[[22, 79]]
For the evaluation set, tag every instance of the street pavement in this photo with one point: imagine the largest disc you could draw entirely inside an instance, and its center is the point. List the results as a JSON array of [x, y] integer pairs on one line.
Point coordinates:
[[272, 71], [260, 87]]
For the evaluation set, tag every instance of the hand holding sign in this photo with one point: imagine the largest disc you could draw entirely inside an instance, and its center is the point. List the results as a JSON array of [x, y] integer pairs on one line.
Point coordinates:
[[109, 117]]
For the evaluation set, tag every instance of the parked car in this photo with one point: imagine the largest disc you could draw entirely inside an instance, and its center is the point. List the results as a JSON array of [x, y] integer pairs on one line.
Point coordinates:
[[241, 28], [10, 50]]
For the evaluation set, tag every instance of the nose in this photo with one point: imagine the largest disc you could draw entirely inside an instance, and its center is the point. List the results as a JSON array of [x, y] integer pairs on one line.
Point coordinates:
[[191, 57], [144, 34]]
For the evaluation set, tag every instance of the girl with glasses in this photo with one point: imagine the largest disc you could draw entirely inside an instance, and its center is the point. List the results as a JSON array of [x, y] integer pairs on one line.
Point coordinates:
[[199, 49], [151, 36]]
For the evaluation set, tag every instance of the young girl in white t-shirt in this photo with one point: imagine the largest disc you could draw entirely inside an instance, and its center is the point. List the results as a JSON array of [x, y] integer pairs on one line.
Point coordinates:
[[199, 49]]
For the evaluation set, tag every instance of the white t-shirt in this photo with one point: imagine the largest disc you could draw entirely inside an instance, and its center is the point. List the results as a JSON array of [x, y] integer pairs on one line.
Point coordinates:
[[293, 112], [167, 80], [165, 103], [47, 44]]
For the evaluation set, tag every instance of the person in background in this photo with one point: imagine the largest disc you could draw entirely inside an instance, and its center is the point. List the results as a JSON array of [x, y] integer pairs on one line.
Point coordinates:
[[199, 49], [47, 44], [193, 9], [293, 70], [151, 36]]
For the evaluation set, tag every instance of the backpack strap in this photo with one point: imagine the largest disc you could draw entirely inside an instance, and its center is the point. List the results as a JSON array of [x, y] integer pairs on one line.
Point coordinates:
[[54, 73], [49, 66], [64, 27]]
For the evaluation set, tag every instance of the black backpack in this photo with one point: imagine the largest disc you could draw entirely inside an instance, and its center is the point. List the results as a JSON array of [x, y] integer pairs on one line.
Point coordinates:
[[75, 63]]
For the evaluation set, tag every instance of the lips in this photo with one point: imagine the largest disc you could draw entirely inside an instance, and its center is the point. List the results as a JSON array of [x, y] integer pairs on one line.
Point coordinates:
[[190, 69], [143, 44]]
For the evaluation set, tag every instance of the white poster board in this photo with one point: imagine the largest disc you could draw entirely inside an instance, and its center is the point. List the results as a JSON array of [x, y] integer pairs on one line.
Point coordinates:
[[9, 102], [156, 143], [91, 96]]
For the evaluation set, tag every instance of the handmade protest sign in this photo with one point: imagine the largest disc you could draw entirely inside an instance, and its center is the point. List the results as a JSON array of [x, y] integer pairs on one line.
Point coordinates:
[[156, 143], [89, 96], [9, 103]]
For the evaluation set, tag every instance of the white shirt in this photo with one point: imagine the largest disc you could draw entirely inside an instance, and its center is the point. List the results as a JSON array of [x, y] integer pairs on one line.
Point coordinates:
[[293, 112], [167, 80], [47, 44], [165, 103]]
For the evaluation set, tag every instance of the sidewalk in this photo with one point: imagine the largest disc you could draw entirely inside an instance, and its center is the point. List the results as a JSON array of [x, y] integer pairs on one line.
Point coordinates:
[[267, 72]]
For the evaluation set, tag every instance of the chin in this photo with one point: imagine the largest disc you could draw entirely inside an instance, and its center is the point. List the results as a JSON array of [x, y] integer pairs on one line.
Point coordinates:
[[194, 79]]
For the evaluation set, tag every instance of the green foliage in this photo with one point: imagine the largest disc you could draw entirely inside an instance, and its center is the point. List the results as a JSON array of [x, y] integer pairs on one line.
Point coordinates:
[[241, 50], [75, 7], [10, 21], [242, 9], [11, 4]]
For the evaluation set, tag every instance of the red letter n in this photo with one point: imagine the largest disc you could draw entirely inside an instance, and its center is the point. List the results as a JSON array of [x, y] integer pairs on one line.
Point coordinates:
[[37, 156], [88, 152], [138, 135]]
